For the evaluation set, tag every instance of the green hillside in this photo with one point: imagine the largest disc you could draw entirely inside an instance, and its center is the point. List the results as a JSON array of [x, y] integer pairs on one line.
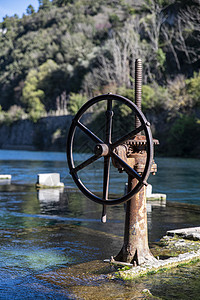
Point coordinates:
[[70, 50]]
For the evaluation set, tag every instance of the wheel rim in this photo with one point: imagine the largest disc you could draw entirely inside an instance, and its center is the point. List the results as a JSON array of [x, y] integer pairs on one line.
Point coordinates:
[[109, 153]]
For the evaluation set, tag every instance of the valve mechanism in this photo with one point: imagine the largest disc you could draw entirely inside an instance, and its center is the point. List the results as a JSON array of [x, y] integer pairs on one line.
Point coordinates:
[[134, 153]]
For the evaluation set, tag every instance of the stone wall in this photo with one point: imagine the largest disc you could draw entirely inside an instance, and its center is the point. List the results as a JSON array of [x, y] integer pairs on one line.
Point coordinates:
[[48, 133]]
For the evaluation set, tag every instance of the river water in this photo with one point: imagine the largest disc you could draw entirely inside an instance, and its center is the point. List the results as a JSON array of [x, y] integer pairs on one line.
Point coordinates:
[[46, 234], [178, 178]]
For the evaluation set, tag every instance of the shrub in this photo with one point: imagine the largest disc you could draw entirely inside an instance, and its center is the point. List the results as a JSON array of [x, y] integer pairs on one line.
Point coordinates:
[[75, 102], [182, 139], [193, 89], [15, 113], [154, 97], [128, 93], [35, 115], [148, 97], [161, 58]]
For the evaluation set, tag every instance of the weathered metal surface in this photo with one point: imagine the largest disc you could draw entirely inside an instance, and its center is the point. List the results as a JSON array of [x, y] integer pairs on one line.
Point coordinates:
[[138, 88], [109, 114], [121, 151], [132, 153], [135, 249]]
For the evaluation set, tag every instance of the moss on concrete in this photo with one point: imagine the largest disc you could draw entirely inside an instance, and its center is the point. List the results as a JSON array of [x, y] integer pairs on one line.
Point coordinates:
[[171, 252]]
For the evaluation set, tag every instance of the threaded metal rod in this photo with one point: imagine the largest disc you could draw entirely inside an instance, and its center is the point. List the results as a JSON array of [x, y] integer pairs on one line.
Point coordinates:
[[138, 88]]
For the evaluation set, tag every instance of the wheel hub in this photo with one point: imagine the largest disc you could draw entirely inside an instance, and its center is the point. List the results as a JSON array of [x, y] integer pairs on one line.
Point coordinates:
[[101, 149]]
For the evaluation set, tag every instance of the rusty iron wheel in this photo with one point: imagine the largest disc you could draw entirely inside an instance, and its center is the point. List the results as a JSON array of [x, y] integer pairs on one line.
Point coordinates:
[[105, 148]]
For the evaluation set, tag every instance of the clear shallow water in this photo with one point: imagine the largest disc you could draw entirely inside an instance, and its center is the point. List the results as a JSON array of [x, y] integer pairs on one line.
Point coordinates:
[[178, 178], [48, 230]]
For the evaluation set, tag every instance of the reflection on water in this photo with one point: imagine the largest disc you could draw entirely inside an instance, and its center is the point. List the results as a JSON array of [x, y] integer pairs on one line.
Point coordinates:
[[42, 231], [47, 231], [178, 178], [49, 198]]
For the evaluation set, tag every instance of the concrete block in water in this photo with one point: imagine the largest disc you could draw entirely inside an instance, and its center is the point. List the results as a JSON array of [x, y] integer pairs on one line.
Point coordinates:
[[5, 176], [151, 196], [148, 190], [5, 179], [192, 233], [49, 180]]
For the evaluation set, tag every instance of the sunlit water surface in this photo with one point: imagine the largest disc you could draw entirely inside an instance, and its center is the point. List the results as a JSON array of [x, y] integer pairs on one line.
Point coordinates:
[[43, 231]]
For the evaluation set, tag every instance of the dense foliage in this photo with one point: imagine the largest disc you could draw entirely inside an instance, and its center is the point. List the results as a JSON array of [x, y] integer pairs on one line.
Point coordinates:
[[70, 50]]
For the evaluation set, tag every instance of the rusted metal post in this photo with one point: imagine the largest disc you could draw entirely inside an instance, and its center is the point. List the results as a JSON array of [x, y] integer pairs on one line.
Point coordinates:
[[138, 88], [135, 248]]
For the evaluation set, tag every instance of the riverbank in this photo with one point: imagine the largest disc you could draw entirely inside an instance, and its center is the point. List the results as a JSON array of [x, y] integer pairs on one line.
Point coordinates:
[[49, 133]]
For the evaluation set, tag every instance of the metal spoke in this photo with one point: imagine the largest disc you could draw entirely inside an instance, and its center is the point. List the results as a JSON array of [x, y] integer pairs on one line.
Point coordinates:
[[128, 169], [128, 136], [86, 163], [109, 115], [106, 176], [89, 133]]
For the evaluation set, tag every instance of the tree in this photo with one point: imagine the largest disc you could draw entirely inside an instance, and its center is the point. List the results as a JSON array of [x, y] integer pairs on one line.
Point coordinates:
[[187, 35], [151, 25], [61, 3], [116, 59], [32, 96], [44, 4], [181, 36], [42, 87], [30, 10]]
